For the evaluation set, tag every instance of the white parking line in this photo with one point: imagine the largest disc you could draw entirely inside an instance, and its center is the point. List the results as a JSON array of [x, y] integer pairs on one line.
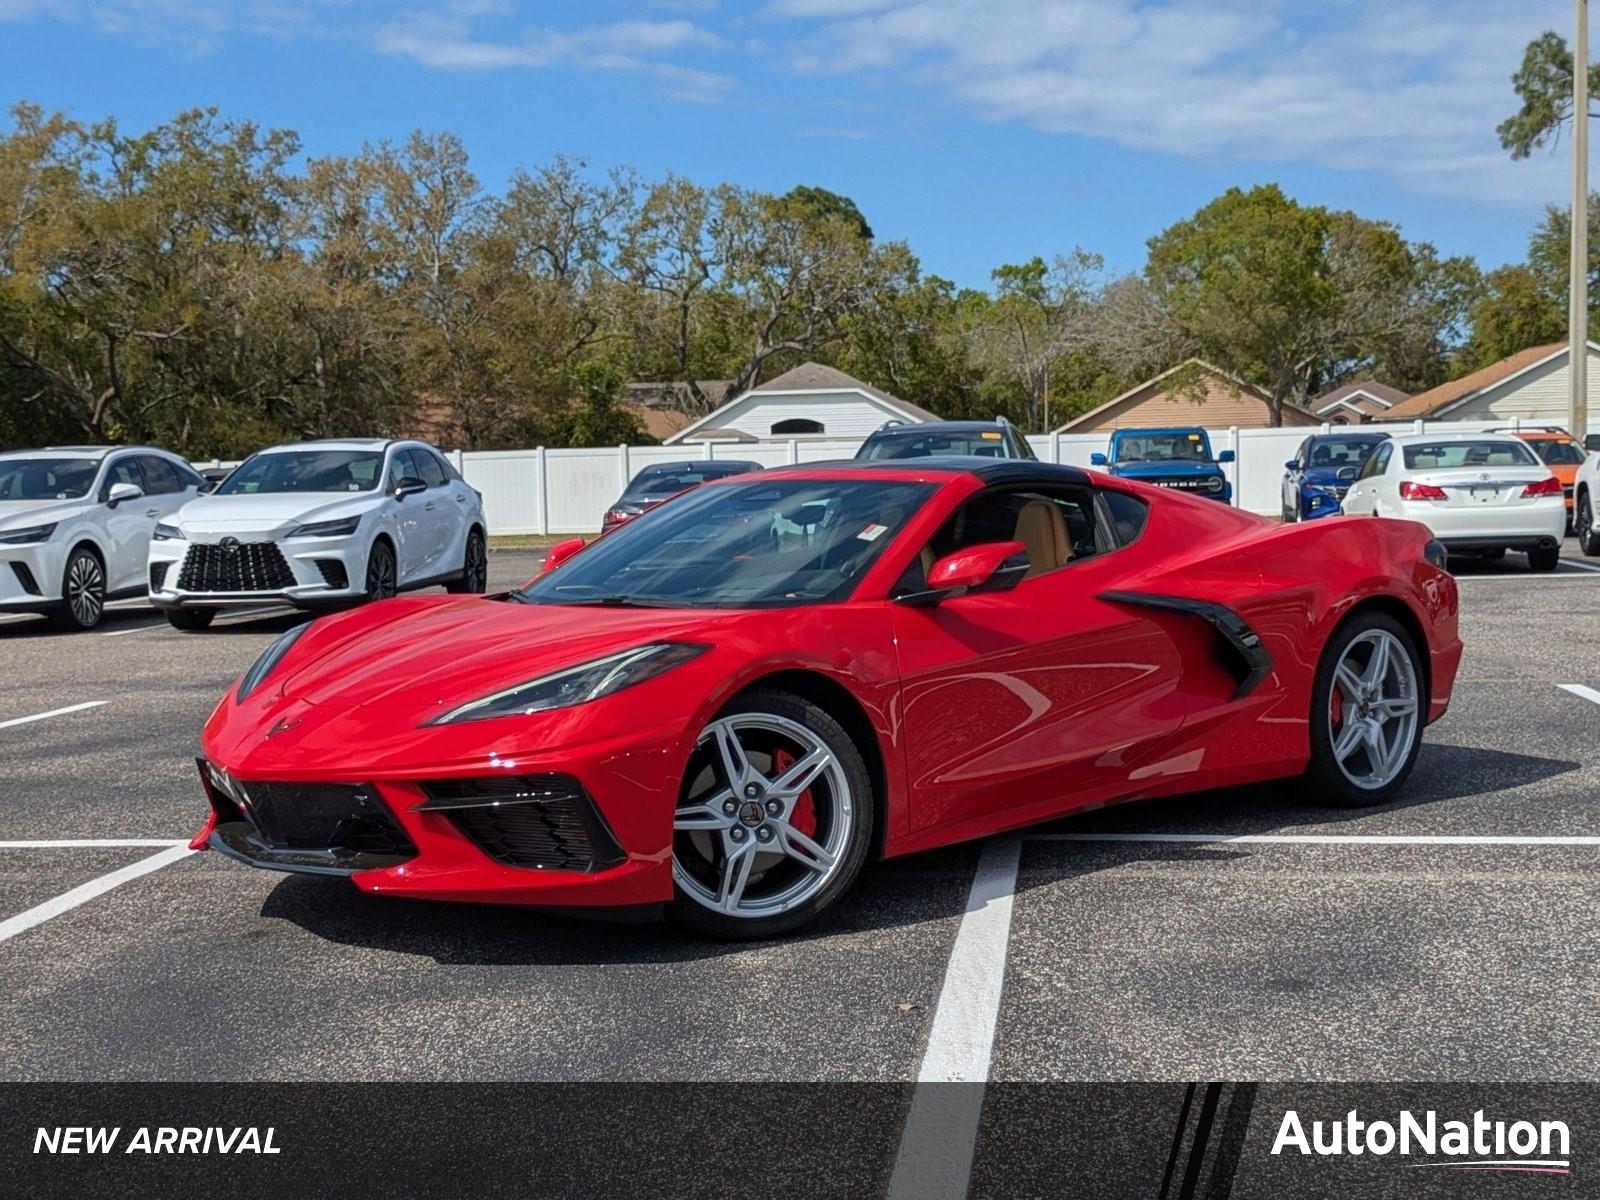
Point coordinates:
[[935, 1156], [1579, 566], [1577, 689], [54, 712], [1324, 839], [85, 892], [135, 629], [90, 843]]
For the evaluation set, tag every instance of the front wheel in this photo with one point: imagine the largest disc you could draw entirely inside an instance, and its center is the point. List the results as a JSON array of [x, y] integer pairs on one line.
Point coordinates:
[[1588, 542], [1544, 559], [83, 592], [381, 572], [774, 820], [474, 578], [191, 619], [1368, 708]]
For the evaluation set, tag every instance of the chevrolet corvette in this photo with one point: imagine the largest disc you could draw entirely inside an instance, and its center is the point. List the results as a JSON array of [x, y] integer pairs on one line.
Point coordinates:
[[726, 707]]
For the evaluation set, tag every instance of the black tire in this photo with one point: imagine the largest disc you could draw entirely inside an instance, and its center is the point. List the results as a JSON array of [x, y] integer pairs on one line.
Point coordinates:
[[1544, 560], [1325, 780], [83, 592], [694, 916], [381, 571], [474, 580], [1588, 540], [191, 619]]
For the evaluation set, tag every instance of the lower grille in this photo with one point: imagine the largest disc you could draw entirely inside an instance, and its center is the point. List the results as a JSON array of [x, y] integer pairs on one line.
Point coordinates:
[[158, 575], [235, 567], [321, 816], [25, 578], [540, 821], [333, 573]]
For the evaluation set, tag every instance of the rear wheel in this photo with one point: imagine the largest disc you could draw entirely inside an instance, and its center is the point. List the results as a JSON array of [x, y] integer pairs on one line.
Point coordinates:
[[380, 571], [1588, 542], [1544, 559], [191, 618], [774, 821], [83, 592], [1368, 711], [474, 568]]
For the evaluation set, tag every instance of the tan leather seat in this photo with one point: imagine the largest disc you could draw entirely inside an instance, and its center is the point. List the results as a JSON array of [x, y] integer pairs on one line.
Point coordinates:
[[1043, 530]]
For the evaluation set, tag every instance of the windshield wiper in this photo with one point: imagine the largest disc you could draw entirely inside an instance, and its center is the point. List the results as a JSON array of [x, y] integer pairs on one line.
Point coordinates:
[[619, 602]]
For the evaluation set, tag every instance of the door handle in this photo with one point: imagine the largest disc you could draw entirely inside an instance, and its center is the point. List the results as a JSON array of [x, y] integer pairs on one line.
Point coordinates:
[[428, 507], [152, 512]]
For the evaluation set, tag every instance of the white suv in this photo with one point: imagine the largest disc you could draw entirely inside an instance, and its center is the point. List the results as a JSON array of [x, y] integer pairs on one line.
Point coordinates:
[[76, 522], [317, 524], [1480, 493], [1585, 502]]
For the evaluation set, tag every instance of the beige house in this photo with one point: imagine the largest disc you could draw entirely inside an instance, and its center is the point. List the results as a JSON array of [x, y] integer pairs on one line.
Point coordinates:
[[1530, 385], [1192, 393], [1357, 403]]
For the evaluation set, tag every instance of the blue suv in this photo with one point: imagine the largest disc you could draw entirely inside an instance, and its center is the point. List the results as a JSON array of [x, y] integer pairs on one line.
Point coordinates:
[[1321, 472], [1178, 458]]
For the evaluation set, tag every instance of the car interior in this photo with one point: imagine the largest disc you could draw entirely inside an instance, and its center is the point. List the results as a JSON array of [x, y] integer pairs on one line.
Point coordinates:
[[1056, 527]]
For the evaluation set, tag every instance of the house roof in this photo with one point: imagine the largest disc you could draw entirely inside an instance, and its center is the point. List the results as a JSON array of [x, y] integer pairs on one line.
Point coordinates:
[[1457, 391], [1201, 363], [813, 378], [659, 423], [1346, 394]]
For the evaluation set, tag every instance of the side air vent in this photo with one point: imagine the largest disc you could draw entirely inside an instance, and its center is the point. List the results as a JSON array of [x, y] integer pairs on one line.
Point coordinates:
[[544, 822], [1239, 647]]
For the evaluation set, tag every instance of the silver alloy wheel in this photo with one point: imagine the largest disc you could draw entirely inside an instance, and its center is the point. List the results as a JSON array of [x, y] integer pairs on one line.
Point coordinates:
[[1373, 710], [736, 848], [86, 586]]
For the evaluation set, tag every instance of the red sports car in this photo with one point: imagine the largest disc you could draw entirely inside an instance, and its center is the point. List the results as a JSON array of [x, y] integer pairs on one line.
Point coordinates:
[[729, 705]]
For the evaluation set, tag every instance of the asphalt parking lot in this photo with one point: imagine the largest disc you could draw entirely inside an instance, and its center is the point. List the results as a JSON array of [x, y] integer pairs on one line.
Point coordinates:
[[1447, 936]]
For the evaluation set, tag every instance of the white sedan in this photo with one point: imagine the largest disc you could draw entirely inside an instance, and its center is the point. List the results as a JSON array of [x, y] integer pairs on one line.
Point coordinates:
[[1480, 493], [76, 522], [320, 524]]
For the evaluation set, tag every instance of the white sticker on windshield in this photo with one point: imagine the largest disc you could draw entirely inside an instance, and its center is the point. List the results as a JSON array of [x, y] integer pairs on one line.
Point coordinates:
[[872, 533]]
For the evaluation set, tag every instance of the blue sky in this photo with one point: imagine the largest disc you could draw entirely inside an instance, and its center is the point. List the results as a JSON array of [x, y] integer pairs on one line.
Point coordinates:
[[981, 131]]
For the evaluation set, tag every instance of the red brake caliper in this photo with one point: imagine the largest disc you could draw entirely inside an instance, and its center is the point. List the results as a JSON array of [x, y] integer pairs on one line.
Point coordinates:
[[804, 817], [1336, 709]]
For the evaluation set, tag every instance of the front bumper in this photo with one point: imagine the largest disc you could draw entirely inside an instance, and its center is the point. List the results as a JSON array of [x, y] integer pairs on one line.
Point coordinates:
[[303, 572], [30, 576], [1318, 502]]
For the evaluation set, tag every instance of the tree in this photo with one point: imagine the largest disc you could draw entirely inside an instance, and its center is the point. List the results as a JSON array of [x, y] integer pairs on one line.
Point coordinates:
[[1544, 84], [1514, 310], [822, 204]]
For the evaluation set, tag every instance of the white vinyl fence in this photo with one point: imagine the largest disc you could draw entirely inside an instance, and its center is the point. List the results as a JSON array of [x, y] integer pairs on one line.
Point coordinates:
[[544, 491]]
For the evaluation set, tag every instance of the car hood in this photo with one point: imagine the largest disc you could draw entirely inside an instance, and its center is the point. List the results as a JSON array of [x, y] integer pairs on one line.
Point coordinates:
[[277, 513], [1330, 476], [20, 514], [1142, 470]]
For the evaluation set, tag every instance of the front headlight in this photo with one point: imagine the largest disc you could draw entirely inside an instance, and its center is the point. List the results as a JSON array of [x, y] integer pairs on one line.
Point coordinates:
[[1214, 484], [342, 528], [579, 684], [168, 533], [27, 537], [270, 658]]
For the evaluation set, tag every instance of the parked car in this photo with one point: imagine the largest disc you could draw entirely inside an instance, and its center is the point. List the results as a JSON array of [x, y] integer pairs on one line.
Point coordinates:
[[998, 438], [319, 524], [1480, 493], [728, 708], [1586, 500], [1321, 472], [1178, 458], [76, 523], [1559, 451], [663, 481]]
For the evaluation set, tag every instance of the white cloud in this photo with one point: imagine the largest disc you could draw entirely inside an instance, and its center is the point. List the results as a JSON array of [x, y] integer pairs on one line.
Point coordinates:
[[1406, 88]]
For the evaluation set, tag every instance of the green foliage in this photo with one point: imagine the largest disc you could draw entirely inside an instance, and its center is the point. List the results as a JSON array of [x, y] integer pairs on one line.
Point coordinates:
[[1544, 85], [821, 204]]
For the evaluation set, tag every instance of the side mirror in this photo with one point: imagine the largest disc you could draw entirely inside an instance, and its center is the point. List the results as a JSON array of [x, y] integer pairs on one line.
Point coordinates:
[[988, 567], [1097, 459], [561, 552], [409, 486], [1591, 441], [207, 486], [123, 491], [1293, 464], [1225, 457]]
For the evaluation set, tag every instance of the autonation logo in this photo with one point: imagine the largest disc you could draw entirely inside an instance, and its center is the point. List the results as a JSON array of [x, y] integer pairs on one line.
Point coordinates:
[[1479, 1144]]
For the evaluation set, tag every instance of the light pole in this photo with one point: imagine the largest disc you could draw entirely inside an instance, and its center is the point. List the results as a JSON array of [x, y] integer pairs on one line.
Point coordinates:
[[1578, 301]]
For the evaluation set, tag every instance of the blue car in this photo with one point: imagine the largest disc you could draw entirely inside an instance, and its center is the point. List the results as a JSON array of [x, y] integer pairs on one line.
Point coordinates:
[[1178, 458], [1321, 472]]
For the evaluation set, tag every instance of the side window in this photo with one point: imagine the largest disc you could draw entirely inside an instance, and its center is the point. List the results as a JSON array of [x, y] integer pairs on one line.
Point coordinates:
[[1128, 515], [1057, 526], [161, 478], [123, 470], [432, 470], [401, 467], [1300, 454], [1375, 464]]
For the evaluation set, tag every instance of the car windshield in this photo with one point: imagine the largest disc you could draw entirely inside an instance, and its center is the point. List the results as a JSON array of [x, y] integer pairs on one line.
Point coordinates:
[[983, 443], [1341, 452], [1557, 451], [1425, 456], [46, 478], [1163, 447], [305, 471], [762, 543], [679, 477]]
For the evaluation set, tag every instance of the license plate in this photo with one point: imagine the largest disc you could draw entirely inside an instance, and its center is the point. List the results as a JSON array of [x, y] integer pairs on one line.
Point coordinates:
[[1486, 495]]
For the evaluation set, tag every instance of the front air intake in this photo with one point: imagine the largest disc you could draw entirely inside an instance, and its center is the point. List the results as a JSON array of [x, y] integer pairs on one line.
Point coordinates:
[[544, 822]]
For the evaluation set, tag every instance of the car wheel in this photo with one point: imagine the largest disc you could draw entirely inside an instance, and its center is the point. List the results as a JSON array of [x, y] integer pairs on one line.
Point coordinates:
[[1367, 712], [380, 571], [474, 568], [83, 592], [774, 820], [191, 618], [1544, 560], [1587, 541]]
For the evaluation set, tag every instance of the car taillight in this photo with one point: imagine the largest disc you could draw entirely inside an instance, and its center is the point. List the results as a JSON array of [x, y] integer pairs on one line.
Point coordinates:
[[1545, 487], [1420, 491]]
